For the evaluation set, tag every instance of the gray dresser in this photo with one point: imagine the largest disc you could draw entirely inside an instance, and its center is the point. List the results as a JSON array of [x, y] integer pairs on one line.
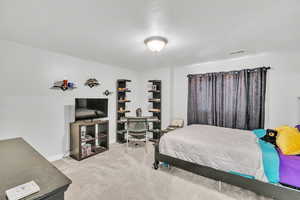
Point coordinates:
[[20, 163]]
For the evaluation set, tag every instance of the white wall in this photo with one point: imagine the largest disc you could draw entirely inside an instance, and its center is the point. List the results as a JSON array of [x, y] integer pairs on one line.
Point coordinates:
[[163, 74], [29, 109], [283, 84]]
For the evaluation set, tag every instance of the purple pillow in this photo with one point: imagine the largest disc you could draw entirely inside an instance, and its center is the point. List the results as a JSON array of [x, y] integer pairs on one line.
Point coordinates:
[[289, 169], [298, 127]]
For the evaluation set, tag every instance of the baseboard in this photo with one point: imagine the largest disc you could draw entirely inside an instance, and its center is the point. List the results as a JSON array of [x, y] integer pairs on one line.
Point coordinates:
[[61, 156], [56, 157]]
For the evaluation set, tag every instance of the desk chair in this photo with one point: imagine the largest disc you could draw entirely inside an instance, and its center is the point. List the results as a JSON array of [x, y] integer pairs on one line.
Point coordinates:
[[137, 128]]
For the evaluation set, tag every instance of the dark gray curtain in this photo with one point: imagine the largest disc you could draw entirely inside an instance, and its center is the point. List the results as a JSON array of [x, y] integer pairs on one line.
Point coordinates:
[[233, 99]]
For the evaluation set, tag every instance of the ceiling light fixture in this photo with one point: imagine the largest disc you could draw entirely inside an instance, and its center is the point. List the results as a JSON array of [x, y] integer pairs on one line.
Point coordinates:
[[155, 43]]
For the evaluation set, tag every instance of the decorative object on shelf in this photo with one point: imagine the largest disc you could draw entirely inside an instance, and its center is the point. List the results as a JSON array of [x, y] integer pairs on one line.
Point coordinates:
[[139, 112], [83, 131], [63, 85], [107, 92], [154, 88], [92, 82], [123, 100], [123, 90]]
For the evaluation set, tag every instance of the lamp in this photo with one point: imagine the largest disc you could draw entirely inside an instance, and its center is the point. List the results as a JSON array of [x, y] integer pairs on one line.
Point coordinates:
[[155, 43]]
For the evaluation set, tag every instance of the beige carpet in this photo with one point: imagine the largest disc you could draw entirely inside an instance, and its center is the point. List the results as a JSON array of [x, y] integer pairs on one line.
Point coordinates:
[[117, 175]]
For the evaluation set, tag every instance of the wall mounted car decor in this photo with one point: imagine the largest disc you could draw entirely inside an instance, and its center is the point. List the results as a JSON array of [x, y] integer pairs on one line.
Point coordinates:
[[92, 82], [107, 92], [63, 85]]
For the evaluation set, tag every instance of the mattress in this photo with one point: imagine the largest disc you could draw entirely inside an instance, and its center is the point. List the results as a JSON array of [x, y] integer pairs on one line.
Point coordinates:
[[225, 149]]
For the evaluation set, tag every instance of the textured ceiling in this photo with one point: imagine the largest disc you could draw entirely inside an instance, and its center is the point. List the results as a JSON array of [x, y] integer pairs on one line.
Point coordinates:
[[113, 31]]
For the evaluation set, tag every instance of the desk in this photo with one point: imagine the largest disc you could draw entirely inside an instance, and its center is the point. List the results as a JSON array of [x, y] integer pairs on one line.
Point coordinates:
[[150, 119], [20, 163]]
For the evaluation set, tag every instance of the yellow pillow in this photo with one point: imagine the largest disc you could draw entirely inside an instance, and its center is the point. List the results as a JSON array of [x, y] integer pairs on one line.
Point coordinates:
[[288, 140]]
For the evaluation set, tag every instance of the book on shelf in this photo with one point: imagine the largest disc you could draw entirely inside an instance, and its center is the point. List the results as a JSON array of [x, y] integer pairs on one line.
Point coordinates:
[[153, 90], [123, 100], [86, 150], [154, 100], [87, 138], [123, 111], [154, 110], [123, 90]]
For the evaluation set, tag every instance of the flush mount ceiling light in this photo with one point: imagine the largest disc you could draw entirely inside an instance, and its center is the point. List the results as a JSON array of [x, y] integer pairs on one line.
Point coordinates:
[[155, 43]]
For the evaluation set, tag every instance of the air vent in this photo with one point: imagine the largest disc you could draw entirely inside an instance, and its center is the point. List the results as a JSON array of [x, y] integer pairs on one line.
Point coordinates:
[[237, 52]]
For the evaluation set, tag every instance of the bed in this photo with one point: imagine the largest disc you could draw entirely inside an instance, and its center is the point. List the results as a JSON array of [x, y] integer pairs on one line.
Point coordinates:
[[229, 155]]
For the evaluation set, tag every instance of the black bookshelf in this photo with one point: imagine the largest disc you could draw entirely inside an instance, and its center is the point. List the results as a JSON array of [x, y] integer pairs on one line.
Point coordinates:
[[155, 100], [122, 90]]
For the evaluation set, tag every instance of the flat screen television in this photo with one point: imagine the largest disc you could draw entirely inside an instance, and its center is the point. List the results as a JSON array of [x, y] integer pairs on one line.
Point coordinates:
[[90, 108]]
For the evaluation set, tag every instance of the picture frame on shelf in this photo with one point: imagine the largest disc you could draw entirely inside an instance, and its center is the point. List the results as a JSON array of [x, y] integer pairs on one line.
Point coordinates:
[[154, 87]]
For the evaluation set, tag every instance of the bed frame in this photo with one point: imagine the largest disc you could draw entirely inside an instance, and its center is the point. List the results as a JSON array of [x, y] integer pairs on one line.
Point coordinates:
[[259, 187]]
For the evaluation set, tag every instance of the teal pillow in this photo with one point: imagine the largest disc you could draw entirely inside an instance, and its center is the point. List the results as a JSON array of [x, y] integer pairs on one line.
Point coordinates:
[[270, 161], [260, 132]]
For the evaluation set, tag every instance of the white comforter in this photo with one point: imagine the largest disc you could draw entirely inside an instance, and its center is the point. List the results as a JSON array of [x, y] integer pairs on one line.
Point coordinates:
[[220, 148]]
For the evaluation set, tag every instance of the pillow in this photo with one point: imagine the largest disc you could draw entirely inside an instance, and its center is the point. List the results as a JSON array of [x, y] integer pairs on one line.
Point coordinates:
[[288, 140], [177, 123], [270, 161], [270, 136], [260, 132], [298, 127]]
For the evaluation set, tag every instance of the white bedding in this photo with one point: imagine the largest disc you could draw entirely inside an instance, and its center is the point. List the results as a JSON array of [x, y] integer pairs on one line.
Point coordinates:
[[220, 148]]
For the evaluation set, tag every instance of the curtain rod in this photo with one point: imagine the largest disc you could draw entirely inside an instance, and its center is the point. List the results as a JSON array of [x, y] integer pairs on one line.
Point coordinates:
[[267, 68]]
